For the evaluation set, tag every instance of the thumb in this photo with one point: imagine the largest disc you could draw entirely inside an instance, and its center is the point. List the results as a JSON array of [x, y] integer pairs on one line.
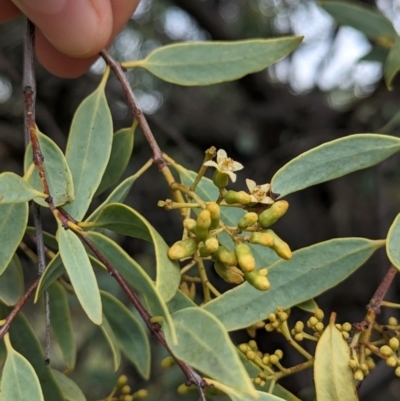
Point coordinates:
[[78, 28]]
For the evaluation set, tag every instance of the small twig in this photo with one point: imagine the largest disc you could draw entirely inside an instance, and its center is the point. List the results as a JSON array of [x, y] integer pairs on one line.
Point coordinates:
[[191, 376], [375, 303], [17, 308], [29, 85]]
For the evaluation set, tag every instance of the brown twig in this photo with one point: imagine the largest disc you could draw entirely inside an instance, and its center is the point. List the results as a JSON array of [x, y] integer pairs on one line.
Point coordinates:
[[375, 303], [136, 110], [191, 376], [17, 308]]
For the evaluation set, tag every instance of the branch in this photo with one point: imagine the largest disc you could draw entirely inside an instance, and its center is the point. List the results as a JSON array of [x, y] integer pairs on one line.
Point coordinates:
[[191, 376]]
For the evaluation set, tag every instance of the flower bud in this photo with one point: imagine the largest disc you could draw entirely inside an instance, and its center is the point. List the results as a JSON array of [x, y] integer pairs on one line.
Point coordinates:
[[319, 314], [182, 249], [386, 351], [346, 326], [273, 359], [189, 224], [263, 239], [240, 197], [257, 281], [126, 390], [122, 380], [397, 371], [220, 180], [280, 247], [273, 214], [394, 343], [225, 256], [215, 214], [184, 288], [192, 291], [168, 362], [245, 258], [393, 321], [142, 393], [358, 375], [231, 274], [203, 224], [211, 244], [391, 361], [248, 220]]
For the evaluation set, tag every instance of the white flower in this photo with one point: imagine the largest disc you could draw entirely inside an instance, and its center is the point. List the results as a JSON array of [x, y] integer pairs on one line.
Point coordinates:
[[259, 193], [225, 164]]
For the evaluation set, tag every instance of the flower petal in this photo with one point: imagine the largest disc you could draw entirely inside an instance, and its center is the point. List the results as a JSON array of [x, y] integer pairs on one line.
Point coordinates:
[[211, 163], [267, 201], [221, 156], [265, 187], [232, 176], [250, 184], [237, 166]]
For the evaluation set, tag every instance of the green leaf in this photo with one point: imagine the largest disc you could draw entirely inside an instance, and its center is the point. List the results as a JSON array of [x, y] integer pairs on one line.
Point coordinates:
[[127, 221], [204, 344], [332, 160], [179, 301], [80, 271], [359, 16], [88, 149], [61, 323], [121, 152], [49, 239], [136, 277], [332, 375], [58, 175], [26, 343], [310, 272], [12, 283], [19, 381], [377, 53], [13, 220], [68, 387], [308, 306], [14, 189], [392, 64], [253, 370], [112, 342], [393, 243], [206, 63], [130, 335]]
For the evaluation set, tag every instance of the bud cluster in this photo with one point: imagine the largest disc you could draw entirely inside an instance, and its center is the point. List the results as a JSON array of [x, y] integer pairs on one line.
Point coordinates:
[[126, 392], [361, 366]]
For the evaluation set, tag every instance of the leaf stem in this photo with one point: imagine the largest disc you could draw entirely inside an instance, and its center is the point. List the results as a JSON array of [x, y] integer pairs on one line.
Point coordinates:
[[209, 155], [204, 279]]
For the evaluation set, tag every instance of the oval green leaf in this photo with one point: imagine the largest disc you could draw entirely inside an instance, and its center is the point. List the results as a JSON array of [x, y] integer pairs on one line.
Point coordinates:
[[80, 271], [58, 175], [127, 221], [359, 16], [112, 342], [61, 323], [206, 63], [19, 381], [204, 344], [332, 160], [392, 64], [393, 243], [26, 343], [121, 151], [13, 221], [12, 283], [179, 301], [130, 335], [332, 375], [88, 149], [69, 388], [14, 189], [136, 277], [310, 272]]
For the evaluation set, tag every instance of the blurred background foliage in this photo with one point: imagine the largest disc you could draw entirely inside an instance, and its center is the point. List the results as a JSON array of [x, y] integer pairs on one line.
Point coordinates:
[[329, 87]]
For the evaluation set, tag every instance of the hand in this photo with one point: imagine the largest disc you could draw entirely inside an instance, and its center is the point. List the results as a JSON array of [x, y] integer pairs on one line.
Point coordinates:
[[71, 33]]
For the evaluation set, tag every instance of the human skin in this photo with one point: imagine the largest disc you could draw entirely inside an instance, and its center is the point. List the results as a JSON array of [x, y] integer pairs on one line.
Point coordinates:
[[71, 33]]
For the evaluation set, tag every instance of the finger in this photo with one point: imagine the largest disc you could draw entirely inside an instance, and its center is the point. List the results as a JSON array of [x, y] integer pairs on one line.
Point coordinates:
[[78, 28], [8, 10], [68, 67]]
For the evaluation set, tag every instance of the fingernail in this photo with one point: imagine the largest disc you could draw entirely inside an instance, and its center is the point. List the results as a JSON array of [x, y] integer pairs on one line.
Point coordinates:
[[41, 6]]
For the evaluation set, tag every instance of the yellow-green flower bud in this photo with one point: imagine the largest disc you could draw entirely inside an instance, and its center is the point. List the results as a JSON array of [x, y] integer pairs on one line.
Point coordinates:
[[299, 326], [263, 239], [358, 375], [244, 348], [220, 180], [393, 321], [346, 326], [283, 316], [167, 362], [273, 214], [312, 321], [394, 343], [182, 249], [253, 345], [225, 256], [192, 291], [189, 224], [386, 351], [397, 371], [391, 361], [203, 224], [364, 368], [273, 359], [272, 317], [345, 335], [299, 337], [353, 364], [319, 327], [203, 250], [279, 353], [251, 355], [128, 397], [211, 245], [231, 274], [280, 247], [258, 281], [245, 258], [122, 380], [183, 389], [184, 288], [268, 327], [370, 363], [240, 197], [215, 214], [265, 360], [142, 393], [126, 390], [319, 314], [248, 220]]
